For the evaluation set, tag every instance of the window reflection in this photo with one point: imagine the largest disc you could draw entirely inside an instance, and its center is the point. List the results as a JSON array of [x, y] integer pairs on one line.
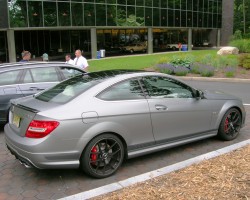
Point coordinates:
[[50, 15], [35, 13]]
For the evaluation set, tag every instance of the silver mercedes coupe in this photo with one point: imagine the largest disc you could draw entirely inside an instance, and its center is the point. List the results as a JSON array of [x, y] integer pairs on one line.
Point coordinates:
[[96, 120]]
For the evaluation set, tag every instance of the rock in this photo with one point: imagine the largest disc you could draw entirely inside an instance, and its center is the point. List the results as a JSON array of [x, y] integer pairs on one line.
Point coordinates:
[[228, 50]]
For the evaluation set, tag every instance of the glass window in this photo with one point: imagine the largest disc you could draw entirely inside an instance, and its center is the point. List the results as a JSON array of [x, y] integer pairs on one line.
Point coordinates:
[[66, 90], [111, 1], [131, 20], [200, 19], [219, 25], [215, 20], [177, 18], [170, 18], [195, 5], [190, 5], [140, 16], [69, 72], [163, 87], [131, 2], [189, 19], [184, 4], [148, 16], [121, 16], [64, 14], [156, 20], [183, 18], [210, 20], [9, 78], [100, 1], [100, 15], [18, 14], [148, 3], [46, 74], [205, 18], [140, 2], [35, 14], [164, 3], [28, 77], [123, 2], [177, 4], [89, 15], [127, 90], [171, 4], [195, 18], [50, 15], [201, 6], [205, 6], [77, 14], [164, 17], [111, 15], [156, 3]]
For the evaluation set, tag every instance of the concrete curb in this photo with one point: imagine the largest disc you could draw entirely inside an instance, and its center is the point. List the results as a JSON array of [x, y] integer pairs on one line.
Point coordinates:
[[234, 80], [146, 176]]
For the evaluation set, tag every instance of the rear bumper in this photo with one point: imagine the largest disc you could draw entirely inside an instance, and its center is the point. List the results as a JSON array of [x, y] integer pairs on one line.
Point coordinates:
[[40, 160]]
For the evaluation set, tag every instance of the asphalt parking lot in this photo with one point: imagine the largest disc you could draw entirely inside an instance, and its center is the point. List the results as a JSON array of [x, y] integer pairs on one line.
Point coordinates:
[[18, 182]]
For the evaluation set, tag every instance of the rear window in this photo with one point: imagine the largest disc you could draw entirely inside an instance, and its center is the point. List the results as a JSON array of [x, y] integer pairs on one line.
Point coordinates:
[[67, 90]]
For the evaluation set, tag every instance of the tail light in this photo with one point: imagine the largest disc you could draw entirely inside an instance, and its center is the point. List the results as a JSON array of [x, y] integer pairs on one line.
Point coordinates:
[[40, 129]]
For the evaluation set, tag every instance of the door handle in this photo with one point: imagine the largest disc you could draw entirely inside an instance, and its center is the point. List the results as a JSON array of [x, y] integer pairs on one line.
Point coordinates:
[[161, 107], [35, 88]]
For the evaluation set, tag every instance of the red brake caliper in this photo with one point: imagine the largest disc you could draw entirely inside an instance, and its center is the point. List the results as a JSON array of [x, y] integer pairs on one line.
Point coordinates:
[[226, 125], [94, 155]]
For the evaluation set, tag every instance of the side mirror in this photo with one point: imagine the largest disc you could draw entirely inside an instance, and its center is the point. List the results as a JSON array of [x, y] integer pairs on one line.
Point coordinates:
[[199, 94]]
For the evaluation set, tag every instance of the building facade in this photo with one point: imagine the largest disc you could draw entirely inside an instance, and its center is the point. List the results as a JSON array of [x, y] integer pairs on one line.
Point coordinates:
[[61, 26]]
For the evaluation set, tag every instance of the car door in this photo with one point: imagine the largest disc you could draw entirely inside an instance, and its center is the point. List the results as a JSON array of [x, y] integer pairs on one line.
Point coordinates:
[[38, 79], [8, 90], [175, 113], [124, 105]]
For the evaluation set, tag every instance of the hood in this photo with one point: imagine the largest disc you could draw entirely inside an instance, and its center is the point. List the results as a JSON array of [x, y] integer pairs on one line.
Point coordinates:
[[218, 95]]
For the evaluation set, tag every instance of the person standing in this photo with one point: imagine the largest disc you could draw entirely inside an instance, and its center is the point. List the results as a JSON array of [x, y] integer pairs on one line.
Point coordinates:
[[26, 55], [68, 59], [80, 61]]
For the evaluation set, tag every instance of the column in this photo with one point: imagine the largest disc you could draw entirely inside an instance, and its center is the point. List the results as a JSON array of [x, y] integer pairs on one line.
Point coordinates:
[[150, 41], [93, 43], [190, 39], [218, 38], [11, 45]]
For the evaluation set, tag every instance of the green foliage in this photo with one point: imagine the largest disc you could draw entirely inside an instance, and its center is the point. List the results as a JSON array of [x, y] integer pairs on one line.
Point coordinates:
[[243, 45], [245, 61], [179, 61], [237, 35]]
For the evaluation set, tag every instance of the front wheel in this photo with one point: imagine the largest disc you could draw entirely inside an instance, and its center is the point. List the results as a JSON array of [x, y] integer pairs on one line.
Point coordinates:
[[102, 156], [230, 125]]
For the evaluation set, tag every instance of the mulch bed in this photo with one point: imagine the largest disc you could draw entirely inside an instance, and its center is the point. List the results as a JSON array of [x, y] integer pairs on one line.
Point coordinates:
[[224, 177]]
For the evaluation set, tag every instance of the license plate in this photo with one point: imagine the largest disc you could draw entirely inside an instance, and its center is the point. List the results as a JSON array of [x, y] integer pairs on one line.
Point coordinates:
[[16, 120]]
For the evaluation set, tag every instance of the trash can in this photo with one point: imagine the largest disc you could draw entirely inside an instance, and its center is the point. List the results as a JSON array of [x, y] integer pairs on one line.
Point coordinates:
[[102, 53], [184, 47], [98, 54]]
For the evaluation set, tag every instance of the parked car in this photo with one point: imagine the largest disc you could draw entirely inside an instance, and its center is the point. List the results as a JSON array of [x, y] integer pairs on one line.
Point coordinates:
[[96, 120], [175, 46], [22, 79], [135, 48]]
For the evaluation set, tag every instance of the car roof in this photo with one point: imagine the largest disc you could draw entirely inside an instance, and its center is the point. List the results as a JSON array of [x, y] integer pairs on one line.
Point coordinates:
[[26, 65]]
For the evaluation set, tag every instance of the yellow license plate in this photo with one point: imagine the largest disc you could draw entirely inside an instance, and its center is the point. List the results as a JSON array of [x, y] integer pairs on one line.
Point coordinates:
[[16, 120]]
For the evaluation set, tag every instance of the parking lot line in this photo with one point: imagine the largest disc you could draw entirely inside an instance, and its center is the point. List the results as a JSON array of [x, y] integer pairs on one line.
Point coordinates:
[[149, 175]]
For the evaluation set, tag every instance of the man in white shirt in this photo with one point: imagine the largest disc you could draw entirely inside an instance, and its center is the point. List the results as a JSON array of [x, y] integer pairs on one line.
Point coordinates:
[[68, 59], [80, 61]]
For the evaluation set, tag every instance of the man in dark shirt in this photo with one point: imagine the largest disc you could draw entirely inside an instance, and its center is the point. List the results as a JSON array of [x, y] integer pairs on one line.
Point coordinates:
[[26, 56]]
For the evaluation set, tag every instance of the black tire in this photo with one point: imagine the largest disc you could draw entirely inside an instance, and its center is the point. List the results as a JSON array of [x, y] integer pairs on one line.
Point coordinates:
[[102, 156], [230, 125]]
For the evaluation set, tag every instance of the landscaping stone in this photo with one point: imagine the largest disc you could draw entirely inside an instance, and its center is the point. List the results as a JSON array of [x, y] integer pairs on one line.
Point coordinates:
[[228, 51]]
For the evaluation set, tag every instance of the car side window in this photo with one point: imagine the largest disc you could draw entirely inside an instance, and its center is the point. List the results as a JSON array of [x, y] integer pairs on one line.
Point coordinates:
[[10, 77], [163, 87], [126, 90], [28, 77], [69, 72], [44, 74]]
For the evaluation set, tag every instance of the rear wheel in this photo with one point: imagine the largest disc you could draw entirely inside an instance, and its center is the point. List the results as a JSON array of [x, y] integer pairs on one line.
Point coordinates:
[[230, 125], [102, 156]]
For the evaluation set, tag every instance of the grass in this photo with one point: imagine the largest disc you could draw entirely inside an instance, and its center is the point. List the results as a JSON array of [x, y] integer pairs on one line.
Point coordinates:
[[140, 62]]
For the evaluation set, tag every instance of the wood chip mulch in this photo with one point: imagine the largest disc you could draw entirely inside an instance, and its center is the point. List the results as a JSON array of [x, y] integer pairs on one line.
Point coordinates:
[[224, 177]]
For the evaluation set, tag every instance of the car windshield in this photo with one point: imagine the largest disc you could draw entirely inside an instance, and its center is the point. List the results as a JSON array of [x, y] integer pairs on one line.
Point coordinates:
[[69, 89]]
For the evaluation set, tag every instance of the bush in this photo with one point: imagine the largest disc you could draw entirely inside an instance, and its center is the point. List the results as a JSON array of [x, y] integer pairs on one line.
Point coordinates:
[[230, 71], [206, 70], [165, 68], [243, 45], [181, 71], [184, 62], [245, 61], [195, 68]]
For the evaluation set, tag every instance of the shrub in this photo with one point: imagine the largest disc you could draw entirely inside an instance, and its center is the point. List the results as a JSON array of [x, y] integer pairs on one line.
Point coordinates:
[[245, 61], [181, 71], [165, 68], [195, 68], [230, 71], [243, 45], [206, 70], [237, 35], [184, 62]]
